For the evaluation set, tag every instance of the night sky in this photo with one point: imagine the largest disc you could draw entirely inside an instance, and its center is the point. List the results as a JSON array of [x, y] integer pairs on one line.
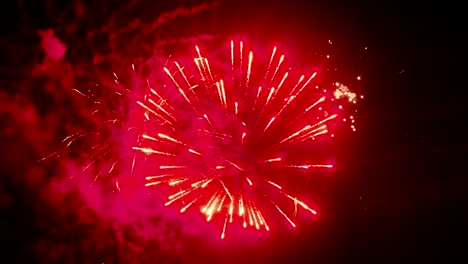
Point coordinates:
[[398, 196]]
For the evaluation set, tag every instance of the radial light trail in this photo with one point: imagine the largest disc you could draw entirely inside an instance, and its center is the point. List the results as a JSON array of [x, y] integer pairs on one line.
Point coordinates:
[[210, 176]]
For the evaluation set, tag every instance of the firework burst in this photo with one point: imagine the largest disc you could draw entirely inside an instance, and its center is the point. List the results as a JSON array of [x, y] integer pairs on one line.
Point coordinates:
[[219, 135]]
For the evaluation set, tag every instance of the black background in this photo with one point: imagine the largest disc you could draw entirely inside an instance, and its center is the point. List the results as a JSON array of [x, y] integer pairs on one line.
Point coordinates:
[[400, 196]]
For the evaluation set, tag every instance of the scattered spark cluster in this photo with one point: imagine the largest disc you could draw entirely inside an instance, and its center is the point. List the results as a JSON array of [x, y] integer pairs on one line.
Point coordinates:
[[226, 139], [109, 129]]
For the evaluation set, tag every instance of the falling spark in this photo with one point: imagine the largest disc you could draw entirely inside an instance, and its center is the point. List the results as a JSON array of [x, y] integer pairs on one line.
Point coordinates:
[[223, 234], [285, 216], [249, 181], [249, 69]]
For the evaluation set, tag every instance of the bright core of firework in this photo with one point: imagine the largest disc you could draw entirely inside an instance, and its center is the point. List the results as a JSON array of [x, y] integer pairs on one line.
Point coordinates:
[[219, 137]]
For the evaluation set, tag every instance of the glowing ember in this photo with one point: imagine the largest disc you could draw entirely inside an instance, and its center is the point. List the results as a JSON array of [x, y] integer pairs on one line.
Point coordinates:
[[344, 92]]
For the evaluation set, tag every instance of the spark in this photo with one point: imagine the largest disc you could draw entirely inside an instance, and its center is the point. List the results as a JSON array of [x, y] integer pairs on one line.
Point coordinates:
[[175, 182], [196, 184], [285, 216], [301, 203], [152, 151], [241, 207], [182, 73], [241, 44], [162, 109], [153, 183], [208, 67], [280, 84], [231, 210], [234, 165], [173, 198], [295, 134], [209, 122], [223, 234], [272, 90], [183, 209], [154, 112], [232, 59], [150, 138], [164, 136], [249, 69], [272, 160], [269, 124], [308, 166], [80, 93], [221, 203], [195, 152], [256, 98], [164, 167], [306, 84], [277, 67], [321, 100], [271, 60], [249, 181], [205, 208], [206, 183], [159, 176], [227, 191], [274, 184]]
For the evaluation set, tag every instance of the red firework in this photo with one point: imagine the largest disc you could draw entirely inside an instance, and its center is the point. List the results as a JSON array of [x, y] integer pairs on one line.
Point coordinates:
[[219, 135]]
